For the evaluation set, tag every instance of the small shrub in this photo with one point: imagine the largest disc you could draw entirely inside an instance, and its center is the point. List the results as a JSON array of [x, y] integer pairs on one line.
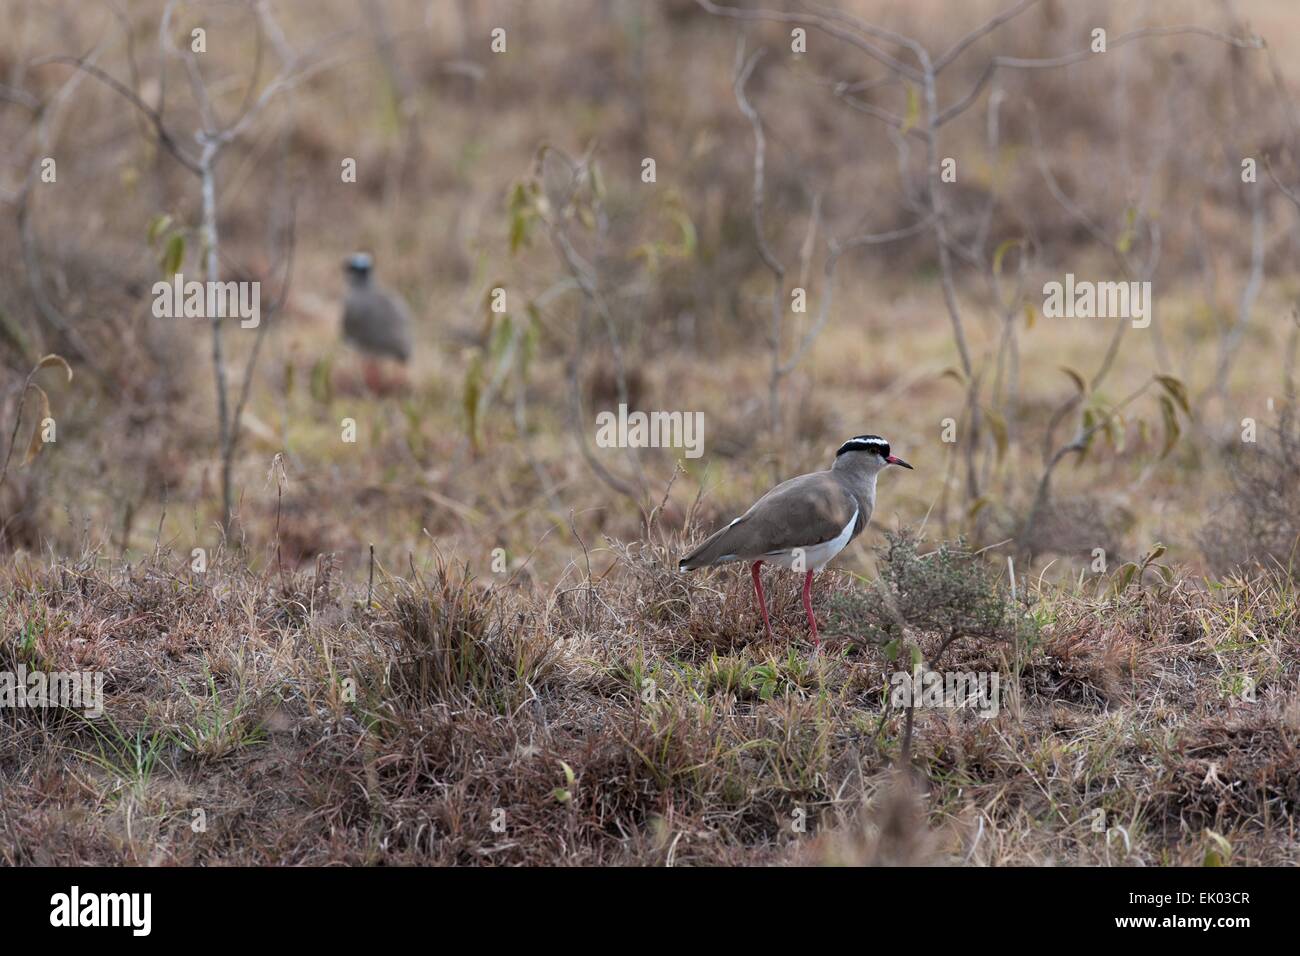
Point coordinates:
[[1260, 520], [950, 592]]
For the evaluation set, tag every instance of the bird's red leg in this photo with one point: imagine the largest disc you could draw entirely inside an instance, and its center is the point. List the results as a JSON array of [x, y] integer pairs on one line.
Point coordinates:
[[758, 590], [807, 606]]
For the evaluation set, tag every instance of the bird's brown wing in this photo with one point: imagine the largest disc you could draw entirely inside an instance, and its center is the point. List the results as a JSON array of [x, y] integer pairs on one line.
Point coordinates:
[[798, 513]]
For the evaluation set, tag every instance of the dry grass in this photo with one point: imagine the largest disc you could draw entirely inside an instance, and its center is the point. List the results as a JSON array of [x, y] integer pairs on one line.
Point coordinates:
[[433, 204], [455, 723]]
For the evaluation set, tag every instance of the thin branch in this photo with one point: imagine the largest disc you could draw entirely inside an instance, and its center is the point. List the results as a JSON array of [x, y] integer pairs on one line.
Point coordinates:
[[828, 277], [760, 154], [572, 371], [271, 27], [810, 239], [1290, 194], [1068, 204], [743, 73], [48, 115], [1020, 63], [880, 33], [1249, 293], [879, 238], [870, 109], [964, 43], [268, 313], [24, 99], [823, 24], [155, 118]]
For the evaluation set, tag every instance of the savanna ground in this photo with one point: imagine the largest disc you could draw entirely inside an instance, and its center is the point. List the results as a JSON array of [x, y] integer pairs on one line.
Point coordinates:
[[519, 675]]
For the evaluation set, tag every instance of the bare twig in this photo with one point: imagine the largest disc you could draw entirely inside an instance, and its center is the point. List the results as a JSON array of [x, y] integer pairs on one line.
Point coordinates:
[[1231, 342], [1023, 63], [774, 265], [821, 23], [163, 134]]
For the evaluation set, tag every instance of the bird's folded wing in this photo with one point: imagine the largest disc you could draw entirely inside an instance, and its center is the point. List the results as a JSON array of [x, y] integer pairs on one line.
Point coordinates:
[[798, 513]]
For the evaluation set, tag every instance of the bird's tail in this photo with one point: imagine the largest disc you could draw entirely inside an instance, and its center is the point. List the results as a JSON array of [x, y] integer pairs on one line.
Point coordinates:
[[712, 551]]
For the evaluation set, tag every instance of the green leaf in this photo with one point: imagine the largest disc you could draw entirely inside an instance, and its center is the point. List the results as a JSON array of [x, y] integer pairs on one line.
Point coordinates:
[[1124, 577], [1125, 241], [518, 232], [518, 198], [998, 425], [1172, 428], [689, 238], [913, 114], [1177, 391], [521, 215], [1114, 429], [1003, 248], [173, 254], [157, 226], [1089, 426], [502, 332], [954, 373], [1079, 381]]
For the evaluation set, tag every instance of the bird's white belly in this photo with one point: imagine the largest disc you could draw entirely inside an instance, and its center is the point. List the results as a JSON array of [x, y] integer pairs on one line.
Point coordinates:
[[815, 556]]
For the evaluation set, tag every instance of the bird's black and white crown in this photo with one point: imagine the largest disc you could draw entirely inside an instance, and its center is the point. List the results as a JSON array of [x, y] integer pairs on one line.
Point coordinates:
[[865, 443]]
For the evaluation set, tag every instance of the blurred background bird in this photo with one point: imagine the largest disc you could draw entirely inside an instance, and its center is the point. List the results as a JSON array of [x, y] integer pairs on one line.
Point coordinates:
[[376, 321]]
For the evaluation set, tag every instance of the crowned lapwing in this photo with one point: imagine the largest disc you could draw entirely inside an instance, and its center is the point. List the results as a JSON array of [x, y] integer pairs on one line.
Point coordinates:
[[375, 320], [804, 522]]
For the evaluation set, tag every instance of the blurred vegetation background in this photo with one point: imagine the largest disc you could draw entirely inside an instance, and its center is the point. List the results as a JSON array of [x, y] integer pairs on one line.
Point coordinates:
[[1125, 165]]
